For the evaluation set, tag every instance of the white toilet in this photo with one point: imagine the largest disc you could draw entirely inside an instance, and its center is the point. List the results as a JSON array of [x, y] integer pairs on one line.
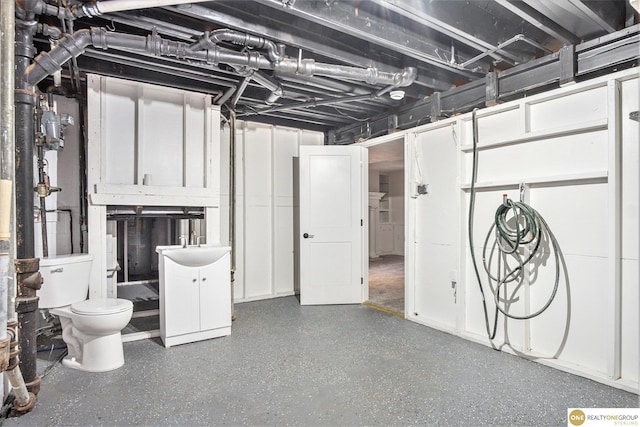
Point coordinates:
[[90, 327]]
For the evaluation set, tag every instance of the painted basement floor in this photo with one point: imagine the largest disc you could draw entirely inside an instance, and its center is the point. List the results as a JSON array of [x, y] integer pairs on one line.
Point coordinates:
[[285, 364], [386, 283]]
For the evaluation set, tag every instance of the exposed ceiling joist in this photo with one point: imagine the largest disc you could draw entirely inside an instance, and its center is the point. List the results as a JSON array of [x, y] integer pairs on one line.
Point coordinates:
[[530, 15], [219, 17], [350, 19], [419, 12], [340, 53]]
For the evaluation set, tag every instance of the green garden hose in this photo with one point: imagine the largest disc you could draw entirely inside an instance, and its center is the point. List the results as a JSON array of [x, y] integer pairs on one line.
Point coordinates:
[[525, 227]]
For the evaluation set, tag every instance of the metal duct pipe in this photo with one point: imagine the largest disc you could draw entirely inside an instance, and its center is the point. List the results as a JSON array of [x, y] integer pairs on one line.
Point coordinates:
[[99, 7], [228, 93], [241, 89], [73, 45], [210, 39], [48, 30], [39, 7], [308, 67], [271, 84]]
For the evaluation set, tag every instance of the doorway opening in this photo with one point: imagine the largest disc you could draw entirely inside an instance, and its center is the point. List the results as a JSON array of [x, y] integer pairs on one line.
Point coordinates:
[[386, 227]]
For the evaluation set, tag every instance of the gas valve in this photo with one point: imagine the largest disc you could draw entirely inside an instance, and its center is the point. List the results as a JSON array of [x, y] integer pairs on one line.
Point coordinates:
[[44, 189]]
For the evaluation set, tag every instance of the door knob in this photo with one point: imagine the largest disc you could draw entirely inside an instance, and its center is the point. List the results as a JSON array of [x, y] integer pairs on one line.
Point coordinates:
[[307, 236]]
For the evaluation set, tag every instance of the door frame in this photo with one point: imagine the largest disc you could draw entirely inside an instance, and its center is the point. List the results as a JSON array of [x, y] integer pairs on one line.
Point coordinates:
[[408, 217]]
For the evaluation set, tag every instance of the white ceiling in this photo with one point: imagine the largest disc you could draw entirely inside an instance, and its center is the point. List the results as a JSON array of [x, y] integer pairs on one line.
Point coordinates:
[[387, 157]]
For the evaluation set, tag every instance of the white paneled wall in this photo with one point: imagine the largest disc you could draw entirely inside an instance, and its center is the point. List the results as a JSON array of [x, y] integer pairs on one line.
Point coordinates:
[[149, 146], [434, 228], [576, 150], [630, 319], [266, 203]]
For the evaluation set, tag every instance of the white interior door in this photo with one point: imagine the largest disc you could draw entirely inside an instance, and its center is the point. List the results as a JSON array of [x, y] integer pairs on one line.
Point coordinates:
[[333, 225]]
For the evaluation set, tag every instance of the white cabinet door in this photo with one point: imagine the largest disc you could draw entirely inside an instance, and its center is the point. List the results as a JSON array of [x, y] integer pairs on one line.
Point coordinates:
[[215, 296], [385, 239], [181, 307]]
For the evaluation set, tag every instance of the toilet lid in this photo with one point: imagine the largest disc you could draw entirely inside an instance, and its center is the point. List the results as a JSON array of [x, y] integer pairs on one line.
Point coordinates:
[[101, 306]]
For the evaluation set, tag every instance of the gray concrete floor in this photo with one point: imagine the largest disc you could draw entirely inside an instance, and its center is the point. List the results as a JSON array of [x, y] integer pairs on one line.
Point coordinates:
[[386, 283], [317, 365]]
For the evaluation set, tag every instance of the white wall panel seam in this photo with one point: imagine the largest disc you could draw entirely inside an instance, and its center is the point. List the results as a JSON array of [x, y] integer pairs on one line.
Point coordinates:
[[614, 105], [139, 140]]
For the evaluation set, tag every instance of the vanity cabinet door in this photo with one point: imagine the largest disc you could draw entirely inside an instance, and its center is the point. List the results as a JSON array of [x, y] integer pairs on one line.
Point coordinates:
[[215, 295], [182, 308]]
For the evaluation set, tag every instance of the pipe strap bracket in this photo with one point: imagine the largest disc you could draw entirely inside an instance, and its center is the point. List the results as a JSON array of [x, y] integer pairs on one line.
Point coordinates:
[[26, 304], [28, 277], [5, 344], [25, 96], [14, 347], [26, 265], [14, 356], [33, 386], [29, 405]]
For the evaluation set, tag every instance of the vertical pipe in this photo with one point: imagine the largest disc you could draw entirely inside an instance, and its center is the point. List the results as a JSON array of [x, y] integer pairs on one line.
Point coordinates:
[[7, 142], [4, 297], [43, 204], [24, 400], [26, 265], [25, 101], [232, 203]]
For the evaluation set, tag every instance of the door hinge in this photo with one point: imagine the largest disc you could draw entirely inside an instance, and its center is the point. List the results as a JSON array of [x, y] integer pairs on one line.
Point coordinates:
[[361, 222], [362, 280]]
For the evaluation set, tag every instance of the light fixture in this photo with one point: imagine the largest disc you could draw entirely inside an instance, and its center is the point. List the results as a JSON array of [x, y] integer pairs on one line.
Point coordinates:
[[396, 94]]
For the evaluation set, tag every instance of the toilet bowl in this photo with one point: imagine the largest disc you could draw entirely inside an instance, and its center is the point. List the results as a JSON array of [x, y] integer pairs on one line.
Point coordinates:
[[91, 328]]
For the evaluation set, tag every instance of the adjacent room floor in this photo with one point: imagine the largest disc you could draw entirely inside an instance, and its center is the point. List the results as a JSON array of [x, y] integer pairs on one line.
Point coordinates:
[[386, 283], [285, 364]]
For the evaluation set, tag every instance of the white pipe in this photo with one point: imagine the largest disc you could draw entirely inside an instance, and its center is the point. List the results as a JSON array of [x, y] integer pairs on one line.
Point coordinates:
[[7, 161], [18, 387], [120, 5], [4, 297]]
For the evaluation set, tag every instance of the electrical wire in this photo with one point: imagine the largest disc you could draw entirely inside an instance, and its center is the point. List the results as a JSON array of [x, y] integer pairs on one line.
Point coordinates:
[[524, 228]]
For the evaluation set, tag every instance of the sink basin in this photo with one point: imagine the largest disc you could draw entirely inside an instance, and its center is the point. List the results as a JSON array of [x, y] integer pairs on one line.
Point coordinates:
[[193, 256]]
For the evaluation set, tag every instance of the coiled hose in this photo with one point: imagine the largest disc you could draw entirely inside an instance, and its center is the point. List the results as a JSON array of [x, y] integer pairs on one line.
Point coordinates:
[[529, 228]]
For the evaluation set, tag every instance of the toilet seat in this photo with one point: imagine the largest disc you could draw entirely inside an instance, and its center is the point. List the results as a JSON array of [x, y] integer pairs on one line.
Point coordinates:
[[101, 306]]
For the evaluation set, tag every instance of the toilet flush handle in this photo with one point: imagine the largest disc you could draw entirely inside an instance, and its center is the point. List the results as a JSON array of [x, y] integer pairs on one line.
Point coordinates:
[[57, 270]]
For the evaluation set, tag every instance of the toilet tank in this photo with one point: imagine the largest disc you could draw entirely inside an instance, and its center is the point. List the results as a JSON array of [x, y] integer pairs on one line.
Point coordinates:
[[65, 279]]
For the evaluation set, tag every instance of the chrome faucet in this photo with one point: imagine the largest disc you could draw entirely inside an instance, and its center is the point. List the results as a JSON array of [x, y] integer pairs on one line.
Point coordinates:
[[183, 241], [198, 240]]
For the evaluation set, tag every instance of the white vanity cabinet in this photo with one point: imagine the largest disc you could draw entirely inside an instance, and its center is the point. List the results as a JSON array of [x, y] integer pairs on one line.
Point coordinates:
[[195, 293]]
